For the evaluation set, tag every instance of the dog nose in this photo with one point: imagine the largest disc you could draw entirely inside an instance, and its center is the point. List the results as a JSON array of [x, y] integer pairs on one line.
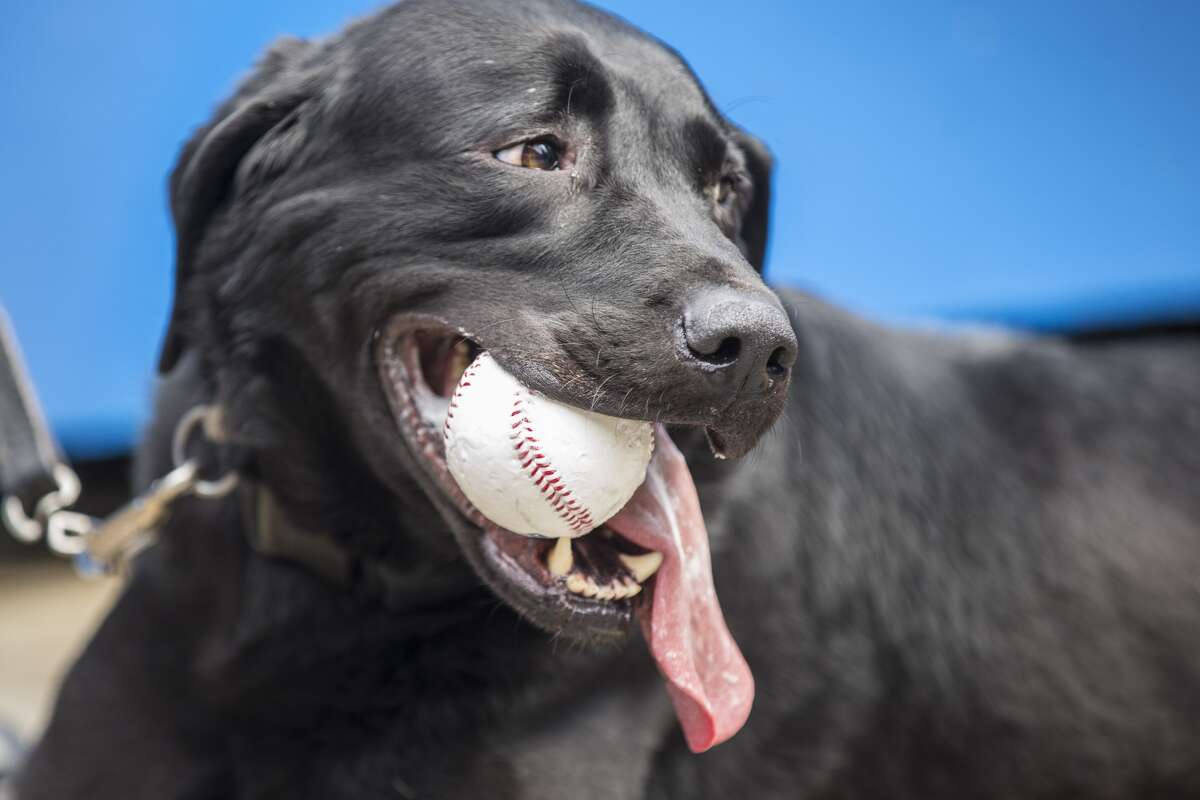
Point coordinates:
[[740, 341]]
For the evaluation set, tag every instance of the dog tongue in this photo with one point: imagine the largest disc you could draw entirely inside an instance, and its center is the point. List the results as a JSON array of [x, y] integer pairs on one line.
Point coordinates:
[[708, 680]]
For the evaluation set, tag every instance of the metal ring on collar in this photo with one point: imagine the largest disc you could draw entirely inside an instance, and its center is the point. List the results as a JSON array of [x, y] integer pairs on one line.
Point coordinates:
[[209, 417]]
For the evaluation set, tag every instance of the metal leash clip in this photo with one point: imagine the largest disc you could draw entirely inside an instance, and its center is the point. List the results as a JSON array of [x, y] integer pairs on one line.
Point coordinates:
[[29, 529], [30, 459], [105, 546]]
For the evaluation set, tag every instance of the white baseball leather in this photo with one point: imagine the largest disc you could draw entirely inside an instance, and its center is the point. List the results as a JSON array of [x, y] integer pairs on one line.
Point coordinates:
[[537, 467]]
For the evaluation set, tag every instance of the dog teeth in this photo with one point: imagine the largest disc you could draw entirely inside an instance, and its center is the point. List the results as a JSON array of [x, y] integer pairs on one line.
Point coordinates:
[[626, 588], [641, 566], [561, 558], [561, 561], [582, 585], [460, 359]]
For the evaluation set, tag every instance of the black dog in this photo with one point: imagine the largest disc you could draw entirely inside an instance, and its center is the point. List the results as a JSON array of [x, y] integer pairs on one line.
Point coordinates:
[[958, 567]]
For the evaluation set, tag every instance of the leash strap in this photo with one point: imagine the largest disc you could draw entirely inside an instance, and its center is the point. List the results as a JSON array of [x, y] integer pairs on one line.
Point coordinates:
[[103, 546], [34, 479], [37, 488]]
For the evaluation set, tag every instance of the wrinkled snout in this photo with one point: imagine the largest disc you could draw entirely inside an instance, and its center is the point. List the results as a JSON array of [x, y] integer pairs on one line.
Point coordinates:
[[736, 343]]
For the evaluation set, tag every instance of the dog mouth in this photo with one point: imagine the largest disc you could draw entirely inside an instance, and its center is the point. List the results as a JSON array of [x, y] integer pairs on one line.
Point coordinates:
[[649, 563], [598, 574]]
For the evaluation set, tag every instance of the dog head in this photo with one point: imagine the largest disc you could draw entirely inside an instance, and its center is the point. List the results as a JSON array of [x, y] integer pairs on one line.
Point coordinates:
[[532, 178]]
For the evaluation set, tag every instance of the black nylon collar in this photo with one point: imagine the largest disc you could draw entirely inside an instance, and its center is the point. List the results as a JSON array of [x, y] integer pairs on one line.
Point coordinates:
[[29, 456], [271, 533]]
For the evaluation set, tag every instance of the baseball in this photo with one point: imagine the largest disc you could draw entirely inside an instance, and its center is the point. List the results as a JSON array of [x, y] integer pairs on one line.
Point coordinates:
[[537, 467]]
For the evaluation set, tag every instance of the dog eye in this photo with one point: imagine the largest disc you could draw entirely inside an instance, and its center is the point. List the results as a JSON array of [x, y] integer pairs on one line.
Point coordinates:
[[725, 191], [540, 154], [729, 198]]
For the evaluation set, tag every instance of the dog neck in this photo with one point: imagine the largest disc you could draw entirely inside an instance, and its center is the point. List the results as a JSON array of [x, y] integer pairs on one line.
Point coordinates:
[[275, 529]]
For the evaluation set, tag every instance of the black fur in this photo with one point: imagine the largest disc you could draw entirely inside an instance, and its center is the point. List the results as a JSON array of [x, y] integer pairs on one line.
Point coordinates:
[[959, 566]]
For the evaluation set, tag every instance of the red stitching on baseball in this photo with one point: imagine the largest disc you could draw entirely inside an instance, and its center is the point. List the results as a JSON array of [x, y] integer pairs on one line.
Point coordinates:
[[463, 382], [529, 452], [537, 465]]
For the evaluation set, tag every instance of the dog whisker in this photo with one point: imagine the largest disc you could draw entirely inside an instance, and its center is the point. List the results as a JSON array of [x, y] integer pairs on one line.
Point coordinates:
[[599, 389], [624, 400], [578, 377], [741, 101], [568, 296], [495, 323], [595, 321]]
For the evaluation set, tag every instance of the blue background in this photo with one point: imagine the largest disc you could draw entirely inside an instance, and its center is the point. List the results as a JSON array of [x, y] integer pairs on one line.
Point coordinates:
[[1028, 162]]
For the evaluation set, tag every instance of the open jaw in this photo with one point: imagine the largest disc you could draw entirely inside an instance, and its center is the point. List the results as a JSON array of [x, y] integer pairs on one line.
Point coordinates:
[[647, 565]]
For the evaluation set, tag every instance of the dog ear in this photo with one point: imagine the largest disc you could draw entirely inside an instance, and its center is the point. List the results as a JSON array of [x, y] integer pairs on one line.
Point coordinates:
[[219, 156], [757, 220]]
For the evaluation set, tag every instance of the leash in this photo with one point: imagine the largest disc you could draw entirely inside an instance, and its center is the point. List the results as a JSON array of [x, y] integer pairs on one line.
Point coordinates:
[[33, 474], [39, 487]]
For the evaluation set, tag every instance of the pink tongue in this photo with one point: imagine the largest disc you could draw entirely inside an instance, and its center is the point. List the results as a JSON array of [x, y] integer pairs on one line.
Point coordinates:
[[707, 678]]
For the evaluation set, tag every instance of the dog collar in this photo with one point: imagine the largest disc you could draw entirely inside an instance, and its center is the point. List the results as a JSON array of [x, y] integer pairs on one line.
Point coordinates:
[[272, 534], [32, 468]]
